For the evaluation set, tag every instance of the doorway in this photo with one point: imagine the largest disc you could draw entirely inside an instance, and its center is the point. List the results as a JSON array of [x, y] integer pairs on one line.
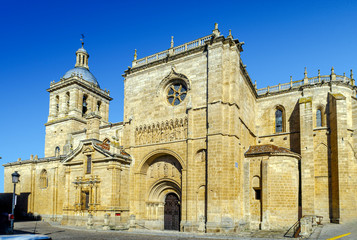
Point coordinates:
[[172, 212], [85, 200]]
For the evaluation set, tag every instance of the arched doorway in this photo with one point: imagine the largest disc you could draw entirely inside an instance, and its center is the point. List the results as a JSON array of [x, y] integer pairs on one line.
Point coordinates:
[[161, 179], [172, 212]]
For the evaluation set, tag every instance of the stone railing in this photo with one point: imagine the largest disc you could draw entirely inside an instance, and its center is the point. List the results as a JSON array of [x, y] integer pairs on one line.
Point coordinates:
[[172, 51], [305, 81]]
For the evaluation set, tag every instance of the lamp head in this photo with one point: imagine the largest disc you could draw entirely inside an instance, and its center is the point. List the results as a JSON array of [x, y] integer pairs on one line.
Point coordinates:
[[15, 177]]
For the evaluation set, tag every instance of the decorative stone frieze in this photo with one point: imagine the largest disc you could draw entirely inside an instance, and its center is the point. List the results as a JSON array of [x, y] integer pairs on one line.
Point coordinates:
[[167, 131]]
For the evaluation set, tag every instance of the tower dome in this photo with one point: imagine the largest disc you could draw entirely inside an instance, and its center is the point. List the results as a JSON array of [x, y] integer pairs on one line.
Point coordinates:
[[81, 68]]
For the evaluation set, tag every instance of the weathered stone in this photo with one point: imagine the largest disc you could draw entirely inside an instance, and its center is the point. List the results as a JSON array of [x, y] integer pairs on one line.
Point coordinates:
[[196, 130]]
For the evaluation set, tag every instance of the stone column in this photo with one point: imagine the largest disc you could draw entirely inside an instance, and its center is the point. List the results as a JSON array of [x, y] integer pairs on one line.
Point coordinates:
[[246, 189], [52, 111], [95, 186], [102, 110], [94, 105], [67, 188], [62, 105], [115, 186], [80, 101], [183, 195], [106, 111], [73, 102], [307, 156]]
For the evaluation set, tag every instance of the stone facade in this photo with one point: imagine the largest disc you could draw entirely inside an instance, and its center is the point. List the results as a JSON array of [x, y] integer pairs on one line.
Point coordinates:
[[200, 148]]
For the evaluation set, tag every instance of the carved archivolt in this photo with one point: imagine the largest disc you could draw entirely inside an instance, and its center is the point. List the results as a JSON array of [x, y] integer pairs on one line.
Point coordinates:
[[167, 131]]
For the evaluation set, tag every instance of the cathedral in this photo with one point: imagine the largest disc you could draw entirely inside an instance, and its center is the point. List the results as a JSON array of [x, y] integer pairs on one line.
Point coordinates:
[[200, 148]]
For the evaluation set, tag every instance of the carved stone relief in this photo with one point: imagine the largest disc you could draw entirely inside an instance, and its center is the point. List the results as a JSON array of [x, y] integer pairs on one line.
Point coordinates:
[[167, 131], [164, 167]]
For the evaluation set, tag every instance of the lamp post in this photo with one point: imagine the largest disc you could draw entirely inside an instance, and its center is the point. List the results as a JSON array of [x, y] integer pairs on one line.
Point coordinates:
[[15, 179]]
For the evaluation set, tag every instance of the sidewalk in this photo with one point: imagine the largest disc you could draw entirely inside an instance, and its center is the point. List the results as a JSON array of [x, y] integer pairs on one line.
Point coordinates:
[[56, 231], [347, 231]]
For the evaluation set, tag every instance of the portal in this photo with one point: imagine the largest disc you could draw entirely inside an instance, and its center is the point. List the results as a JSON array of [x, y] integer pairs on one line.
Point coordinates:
[[172, 212]]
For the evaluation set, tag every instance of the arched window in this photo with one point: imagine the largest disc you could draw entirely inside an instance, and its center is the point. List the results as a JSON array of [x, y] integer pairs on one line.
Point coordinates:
[[43, 179], [84, 104], [279, 124], [57, 151], [318, 118], [256, 184], [98, 105]]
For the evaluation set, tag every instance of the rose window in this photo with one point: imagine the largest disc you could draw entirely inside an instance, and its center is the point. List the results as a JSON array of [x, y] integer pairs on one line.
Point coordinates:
[[176, 93]]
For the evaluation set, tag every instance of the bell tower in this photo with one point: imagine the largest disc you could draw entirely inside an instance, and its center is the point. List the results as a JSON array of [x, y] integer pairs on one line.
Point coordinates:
[[72, 99]]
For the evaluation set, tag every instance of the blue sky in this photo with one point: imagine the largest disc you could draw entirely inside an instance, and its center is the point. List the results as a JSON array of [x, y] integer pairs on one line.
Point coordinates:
[[38, 40]]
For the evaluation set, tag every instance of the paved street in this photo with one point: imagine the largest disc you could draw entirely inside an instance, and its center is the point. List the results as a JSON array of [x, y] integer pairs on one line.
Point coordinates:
[[327, 231], [61, 232]]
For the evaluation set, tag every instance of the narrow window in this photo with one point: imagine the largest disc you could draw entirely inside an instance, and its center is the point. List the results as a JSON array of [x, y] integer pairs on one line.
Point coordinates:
[[43, 179], [278, 121], [87, 200], [318, 118], [84, 104], [57, 104], [68, 97], [57, 151], [258, 193], [257, 188], [89, 164], [98, 105]]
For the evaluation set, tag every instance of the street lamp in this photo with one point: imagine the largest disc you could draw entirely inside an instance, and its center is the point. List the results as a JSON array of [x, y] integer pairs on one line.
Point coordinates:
[[15, 179]]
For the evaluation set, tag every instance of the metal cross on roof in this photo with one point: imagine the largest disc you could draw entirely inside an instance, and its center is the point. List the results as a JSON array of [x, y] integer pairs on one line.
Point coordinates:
[[82, 39]]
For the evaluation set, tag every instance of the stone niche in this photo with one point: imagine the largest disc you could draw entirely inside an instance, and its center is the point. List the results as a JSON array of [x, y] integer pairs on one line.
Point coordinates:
[[272, 187]]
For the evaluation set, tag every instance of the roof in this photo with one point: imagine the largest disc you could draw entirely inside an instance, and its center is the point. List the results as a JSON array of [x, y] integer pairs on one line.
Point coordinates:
[[82, 50], [268, 149], [85, 73]]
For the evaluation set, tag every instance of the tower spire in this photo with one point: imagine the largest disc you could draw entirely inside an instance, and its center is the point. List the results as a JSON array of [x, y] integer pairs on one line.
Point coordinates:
[[82, 56]]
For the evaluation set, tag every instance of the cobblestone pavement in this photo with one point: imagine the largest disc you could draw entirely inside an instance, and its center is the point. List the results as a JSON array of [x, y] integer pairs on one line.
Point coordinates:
[[347, 231], [64, 232]]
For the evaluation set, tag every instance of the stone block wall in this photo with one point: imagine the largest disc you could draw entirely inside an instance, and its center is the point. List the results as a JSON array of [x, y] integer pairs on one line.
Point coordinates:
[[271, 188]]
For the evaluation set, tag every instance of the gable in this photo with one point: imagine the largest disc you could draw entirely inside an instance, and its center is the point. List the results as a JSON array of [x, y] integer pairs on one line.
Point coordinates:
[[85, 148]]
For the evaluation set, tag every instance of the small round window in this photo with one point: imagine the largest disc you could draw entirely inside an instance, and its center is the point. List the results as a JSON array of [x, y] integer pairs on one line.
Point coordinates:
[[176, 93]]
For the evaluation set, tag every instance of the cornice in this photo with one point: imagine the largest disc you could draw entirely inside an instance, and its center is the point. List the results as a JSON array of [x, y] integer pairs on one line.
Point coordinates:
[[74, 80], [41, 160], [65, 119]]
